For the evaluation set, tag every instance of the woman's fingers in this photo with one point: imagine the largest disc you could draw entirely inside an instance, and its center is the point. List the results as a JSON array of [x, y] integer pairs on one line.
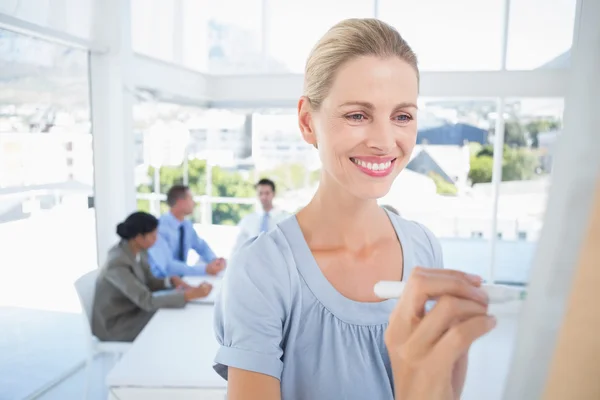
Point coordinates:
[[447, 312], [425, 284], [457, 340]]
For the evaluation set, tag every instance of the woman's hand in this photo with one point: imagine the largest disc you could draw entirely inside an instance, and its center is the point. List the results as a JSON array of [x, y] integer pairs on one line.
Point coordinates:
[[179, 283], [428, 351]]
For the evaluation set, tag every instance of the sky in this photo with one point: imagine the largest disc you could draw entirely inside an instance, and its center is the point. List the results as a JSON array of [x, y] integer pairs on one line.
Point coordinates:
[[446, 35]]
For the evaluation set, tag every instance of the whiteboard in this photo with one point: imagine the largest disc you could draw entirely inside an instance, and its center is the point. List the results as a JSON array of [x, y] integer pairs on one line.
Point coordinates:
[[575, 175]]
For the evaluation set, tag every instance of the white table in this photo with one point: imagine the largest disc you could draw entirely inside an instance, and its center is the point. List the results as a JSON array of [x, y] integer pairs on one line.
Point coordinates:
[[171, 359]]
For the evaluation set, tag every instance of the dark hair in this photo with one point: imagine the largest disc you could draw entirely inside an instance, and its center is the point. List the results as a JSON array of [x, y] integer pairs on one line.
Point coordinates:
[[138, 223], [175, 193], [266, 182]]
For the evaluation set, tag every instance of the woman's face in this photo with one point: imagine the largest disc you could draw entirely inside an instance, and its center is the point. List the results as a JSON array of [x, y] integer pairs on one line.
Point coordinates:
[[366, 127], [146, 241]]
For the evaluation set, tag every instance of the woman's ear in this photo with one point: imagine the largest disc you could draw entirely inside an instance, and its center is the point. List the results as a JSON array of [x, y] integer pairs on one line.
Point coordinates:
[[305, 121]]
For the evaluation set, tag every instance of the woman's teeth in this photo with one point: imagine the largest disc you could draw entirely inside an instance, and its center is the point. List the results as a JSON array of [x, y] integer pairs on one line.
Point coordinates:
[[372, 166]]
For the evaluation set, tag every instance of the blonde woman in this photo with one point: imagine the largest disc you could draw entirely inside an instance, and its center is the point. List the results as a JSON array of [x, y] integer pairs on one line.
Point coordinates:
[[297, 318]]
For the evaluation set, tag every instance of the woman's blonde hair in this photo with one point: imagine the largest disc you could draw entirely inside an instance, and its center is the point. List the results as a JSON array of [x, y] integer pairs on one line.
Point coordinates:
[[346, 40]]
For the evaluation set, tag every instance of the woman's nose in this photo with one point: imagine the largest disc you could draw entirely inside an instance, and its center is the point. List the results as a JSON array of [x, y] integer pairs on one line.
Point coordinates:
[[381, 137]]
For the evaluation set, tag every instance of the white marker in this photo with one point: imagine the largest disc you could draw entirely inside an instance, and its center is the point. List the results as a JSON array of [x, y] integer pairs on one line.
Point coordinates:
[[496, 293]]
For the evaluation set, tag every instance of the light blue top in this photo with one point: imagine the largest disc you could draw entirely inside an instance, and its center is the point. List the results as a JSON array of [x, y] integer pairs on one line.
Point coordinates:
[[163, 256], [278, 315]]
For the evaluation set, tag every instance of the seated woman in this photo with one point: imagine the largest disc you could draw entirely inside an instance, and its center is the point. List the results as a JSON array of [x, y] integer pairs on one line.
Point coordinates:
[[127, 294]]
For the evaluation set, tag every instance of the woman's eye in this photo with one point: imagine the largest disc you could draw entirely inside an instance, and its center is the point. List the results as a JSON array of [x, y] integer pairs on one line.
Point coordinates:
[[356, 117], [403, 118]]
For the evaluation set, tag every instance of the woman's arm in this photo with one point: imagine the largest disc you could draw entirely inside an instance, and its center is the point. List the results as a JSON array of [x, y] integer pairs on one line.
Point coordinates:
[[121, 277], [250, 314], [247, 385]]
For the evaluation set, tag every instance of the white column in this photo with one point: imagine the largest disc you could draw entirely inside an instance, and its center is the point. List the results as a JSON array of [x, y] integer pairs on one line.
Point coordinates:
[[498, 149], [178, 32], [575, 173], [112, 126]]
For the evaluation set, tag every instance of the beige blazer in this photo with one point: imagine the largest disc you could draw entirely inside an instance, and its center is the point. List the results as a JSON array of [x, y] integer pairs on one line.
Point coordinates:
[[127, 296]]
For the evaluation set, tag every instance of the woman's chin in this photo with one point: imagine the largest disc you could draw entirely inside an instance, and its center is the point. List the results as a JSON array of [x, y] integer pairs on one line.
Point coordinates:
[[373, 191]]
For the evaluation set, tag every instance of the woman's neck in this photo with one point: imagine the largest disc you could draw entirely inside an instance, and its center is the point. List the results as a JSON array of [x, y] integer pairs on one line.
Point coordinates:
[[135, 249], [335, 217]]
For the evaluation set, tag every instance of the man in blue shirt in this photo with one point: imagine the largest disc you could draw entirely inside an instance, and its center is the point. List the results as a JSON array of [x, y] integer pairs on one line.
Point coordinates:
[[176, 236]]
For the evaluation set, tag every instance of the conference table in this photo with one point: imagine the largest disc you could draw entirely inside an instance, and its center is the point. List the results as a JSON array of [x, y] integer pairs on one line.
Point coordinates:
[[172, 357]]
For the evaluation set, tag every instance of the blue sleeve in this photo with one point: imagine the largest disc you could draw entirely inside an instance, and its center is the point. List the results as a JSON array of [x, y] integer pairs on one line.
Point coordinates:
[[201, 247], [251, 310], [163, 264], [436, 247]]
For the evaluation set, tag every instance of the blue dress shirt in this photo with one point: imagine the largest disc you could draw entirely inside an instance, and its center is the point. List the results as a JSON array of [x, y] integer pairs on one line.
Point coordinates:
[[164, 255]]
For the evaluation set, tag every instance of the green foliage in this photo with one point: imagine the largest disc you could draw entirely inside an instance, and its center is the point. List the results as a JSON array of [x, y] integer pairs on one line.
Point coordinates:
[[474, 148], [443, 187], [481, 169], [539, 126], [291, 177], [514, 134], [487, 150], [517, 164], [226, 183]]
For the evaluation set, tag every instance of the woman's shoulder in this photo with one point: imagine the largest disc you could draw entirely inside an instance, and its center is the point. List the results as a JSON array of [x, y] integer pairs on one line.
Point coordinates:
[[265, 260], [424, 244], [117, 257]]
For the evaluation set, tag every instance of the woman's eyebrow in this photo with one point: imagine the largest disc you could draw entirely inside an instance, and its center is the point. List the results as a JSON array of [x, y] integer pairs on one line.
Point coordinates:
[[370, 106]]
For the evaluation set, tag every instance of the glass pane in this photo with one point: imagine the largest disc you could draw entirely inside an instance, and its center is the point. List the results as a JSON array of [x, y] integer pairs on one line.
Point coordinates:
[[47, 225], [73, 17], [531, 128], [439, 178], [218, 37], [162, 137], [449, 35], [288, 40], [540, 34], [152, 28]]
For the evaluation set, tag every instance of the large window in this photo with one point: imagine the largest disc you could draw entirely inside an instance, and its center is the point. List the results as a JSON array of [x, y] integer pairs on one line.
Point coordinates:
[[293, 28], [531, 128], [540, 34], [46, 226], [218, 37], [449, 35], [276, 36], [449, 179], [73, 17]]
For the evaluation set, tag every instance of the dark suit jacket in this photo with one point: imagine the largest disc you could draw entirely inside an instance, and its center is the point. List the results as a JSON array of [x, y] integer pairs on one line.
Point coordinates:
[[127, 296]]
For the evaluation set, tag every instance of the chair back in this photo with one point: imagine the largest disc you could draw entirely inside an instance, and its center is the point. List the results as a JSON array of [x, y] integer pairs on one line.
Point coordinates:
[[86, 289]]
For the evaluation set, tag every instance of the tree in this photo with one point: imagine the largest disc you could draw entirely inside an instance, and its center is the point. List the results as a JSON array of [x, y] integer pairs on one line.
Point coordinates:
[[539, 126], [481, 169], [227, 183], [517, 164], [224, 184], [514, 134], [443, 187]]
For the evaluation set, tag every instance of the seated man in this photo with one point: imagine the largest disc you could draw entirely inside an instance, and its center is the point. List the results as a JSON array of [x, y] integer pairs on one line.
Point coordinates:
[[176, 236], [262, 220]]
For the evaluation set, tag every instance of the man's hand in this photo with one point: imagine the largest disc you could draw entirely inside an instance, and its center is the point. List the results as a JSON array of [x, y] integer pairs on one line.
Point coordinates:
[[179, 283], [216, 266], [198, 292]]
